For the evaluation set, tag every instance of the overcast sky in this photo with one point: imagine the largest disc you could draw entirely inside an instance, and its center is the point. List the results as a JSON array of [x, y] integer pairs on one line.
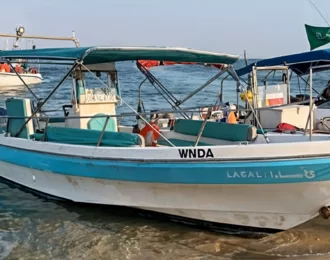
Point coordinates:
[[265, 28]]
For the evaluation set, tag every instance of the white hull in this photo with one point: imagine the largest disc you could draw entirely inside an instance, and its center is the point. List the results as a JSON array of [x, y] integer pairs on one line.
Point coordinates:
[[12, 80], [280, 206]]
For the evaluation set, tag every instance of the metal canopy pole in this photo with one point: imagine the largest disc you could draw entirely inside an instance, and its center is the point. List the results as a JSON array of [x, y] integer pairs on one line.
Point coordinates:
[[152, 79], [171, 99], [221, 87], [310, 102], [48, 97], [201, 87], [209, 112], [308, 84], [73, 38], [12, 67], [288, 86]]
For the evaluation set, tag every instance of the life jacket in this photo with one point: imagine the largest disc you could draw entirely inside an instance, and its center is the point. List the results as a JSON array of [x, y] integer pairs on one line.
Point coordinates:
[[283, 127], [232, 118], [6, 67], [150, 135], [18, 69]]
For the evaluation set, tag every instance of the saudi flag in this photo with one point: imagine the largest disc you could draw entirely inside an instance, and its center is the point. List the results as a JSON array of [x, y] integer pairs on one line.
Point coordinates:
[[317, 36]]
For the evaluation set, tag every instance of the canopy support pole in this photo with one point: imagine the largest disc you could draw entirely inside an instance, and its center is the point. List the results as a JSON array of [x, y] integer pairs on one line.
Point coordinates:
[[201, 87], [233, 73], [19, 76], [171, 99], [209, 112], [288, 86], [221, 88], [310, 102], [48, 97], [308, 84], [73, 38], [255, 93]]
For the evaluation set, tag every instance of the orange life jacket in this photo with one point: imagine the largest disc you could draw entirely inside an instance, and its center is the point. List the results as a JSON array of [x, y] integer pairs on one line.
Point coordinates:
[[232, 118], [152, 133]]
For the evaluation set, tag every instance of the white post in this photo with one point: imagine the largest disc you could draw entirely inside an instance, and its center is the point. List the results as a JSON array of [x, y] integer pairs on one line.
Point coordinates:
[[310, 102], [255, 94], [288, 85], [74, 93]]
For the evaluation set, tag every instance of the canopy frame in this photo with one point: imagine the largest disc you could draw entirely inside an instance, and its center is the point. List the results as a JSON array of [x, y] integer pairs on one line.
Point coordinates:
[[80, 58], [166, 94]]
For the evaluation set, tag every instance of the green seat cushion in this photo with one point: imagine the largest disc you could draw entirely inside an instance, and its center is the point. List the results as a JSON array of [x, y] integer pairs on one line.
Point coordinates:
[[217, 130], [88, 137]]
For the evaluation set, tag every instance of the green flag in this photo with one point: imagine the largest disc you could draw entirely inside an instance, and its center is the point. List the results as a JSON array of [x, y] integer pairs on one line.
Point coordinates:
[[317, 36]]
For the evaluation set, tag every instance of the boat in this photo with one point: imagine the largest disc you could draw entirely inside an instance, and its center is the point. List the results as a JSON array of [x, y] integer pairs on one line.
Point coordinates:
[[233, 174], [30, 75], [10, 79], [300, 65]]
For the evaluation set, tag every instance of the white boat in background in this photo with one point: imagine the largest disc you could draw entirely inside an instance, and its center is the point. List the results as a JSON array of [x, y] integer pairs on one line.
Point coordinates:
[[27, 75], [11, 80]]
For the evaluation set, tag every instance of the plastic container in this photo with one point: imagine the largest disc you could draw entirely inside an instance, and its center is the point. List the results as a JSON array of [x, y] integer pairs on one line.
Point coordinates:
[[296, 115]]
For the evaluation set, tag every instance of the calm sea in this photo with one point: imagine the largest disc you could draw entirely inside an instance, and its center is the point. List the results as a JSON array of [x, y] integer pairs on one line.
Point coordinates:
[[32, 227]]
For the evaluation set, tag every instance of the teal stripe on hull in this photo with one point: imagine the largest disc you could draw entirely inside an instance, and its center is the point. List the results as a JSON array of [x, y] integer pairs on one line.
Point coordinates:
[[262, 172]]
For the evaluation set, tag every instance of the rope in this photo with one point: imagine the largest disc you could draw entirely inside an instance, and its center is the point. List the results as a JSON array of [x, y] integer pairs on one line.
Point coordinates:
[[310, 1], [134, 111]]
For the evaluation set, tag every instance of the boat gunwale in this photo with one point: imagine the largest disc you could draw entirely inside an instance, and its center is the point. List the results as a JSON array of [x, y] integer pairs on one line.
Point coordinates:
[[181, 160], [29, 75]]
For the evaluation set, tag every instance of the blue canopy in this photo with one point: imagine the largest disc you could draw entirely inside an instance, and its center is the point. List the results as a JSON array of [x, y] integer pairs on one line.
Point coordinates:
[[95, 55], [299, 63]]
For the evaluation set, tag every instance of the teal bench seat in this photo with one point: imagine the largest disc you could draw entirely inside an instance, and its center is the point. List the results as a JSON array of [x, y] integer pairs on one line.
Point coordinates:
[[217, 130], [88, 137]]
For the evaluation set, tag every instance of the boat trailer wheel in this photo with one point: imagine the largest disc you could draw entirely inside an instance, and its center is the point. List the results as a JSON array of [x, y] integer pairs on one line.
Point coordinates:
[[325, 212]]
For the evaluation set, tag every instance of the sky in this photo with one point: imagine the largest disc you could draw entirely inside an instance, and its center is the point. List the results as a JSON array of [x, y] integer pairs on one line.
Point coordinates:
[[264, 28]]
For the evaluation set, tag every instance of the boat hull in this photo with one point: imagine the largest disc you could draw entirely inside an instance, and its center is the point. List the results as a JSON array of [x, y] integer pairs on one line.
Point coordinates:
[[263, 206], [277, 194], [11, 79]]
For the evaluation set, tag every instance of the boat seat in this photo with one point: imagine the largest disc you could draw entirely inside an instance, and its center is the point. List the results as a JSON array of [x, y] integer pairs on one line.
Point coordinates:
[[88, 137], [97, 123], [19, 108], [216, 130]]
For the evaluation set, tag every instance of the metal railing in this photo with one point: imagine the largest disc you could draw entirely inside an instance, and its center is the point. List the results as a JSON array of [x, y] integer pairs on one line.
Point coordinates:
[[47, 119]]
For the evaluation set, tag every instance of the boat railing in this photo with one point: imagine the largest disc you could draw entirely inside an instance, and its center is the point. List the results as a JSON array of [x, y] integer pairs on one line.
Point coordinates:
[[47, 120]]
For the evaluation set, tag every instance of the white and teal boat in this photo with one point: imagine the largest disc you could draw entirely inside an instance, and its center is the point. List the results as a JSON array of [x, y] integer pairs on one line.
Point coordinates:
[[209, 171]]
